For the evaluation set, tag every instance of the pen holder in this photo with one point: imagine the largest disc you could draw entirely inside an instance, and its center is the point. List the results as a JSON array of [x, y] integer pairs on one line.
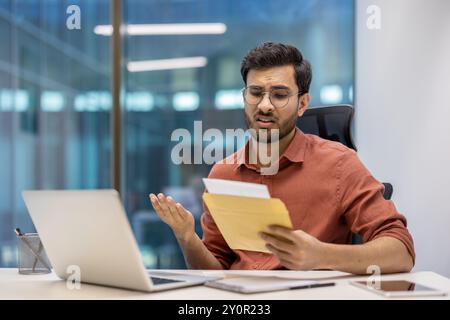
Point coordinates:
[[32, 256]]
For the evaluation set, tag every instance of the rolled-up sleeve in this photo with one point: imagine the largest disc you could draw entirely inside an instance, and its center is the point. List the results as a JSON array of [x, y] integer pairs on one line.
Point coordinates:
[[360, 197], [214, 241]]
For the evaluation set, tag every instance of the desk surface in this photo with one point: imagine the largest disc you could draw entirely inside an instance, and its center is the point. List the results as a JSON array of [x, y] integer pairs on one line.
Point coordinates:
[[16, 286]]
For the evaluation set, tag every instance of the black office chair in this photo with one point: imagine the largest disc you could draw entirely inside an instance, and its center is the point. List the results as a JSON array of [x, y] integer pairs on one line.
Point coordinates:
[[333, 123]]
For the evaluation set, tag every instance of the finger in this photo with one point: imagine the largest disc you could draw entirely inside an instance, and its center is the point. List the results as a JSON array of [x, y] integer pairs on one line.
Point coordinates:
[[279, 253], [287, 264], [280, 244], [156, 205], [183, 212], [170, 207], [281, 232], [173, 208], [163, 204]]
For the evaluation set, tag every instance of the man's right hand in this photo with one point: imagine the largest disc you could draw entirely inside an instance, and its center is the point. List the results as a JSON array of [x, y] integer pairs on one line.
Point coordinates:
[[182, 222], [175, 215]]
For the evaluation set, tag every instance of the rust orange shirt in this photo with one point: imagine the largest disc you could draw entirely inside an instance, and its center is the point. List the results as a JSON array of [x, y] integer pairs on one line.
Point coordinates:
[[329, 194]]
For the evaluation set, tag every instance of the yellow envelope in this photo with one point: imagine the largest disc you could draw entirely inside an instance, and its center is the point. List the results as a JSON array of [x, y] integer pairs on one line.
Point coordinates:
[[240, 219]]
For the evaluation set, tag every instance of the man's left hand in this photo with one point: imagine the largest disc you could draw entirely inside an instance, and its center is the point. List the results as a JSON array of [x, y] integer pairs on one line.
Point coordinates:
[[295, 249]]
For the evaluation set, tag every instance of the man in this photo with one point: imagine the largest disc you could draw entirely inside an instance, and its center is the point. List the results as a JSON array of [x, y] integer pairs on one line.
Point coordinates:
[[327, 190]]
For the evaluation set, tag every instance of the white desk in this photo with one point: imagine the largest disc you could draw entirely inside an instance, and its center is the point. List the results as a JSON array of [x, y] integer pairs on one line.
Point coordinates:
[[16, 286]]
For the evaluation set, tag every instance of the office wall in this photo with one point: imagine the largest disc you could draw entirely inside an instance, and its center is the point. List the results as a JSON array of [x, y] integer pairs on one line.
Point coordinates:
[[402, 121]]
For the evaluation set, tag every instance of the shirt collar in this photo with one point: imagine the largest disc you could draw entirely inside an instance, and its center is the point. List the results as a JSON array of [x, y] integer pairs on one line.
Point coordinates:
[[295, 152]]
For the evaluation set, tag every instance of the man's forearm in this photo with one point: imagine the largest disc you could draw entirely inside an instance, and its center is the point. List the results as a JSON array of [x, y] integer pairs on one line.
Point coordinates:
[[196, 255], [388, 253]]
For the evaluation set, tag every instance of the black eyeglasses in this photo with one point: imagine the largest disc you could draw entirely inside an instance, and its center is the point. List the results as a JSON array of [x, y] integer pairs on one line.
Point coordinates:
[[278, 97]]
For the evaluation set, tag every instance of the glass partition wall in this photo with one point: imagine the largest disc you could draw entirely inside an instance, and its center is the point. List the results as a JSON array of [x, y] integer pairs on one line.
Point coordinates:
[[180, 64], [54, 106]]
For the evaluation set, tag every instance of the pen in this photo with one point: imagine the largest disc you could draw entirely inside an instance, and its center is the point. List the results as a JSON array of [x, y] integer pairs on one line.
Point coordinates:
[[315, 285], [18, 232]]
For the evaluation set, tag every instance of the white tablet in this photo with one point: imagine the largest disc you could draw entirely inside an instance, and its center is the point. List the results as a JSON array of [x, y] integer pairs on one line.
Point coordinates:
[[399, 288]]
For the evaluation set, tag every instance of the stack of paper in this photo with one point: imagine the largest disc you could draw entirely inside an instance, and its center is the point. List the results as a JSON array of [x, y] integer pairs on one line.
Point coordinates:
[[250, 284], [241, 210]]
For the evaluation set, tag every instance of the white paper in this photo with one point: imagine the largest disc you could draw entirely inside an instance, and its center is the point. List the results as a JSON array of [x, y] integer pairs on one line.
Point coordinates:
[[290, 274], [236, 188], [257, 284]]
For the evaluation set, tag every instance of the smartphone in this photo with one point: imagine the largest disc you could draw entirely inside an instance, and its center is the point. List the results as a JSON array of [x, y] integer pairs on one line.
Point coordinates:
[[398, 288]]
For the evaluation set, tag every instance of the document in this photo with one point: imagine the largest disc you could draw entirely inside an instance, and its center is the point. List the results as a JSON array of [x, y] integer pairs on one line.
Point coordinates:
[[236, 188], [251, 284], [317, 275], [242, 210]]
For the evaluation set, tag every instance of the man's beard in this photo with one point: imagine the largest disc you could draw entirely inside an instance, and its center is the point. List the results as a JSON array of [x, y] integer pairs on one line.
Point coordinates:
[[283, 128]]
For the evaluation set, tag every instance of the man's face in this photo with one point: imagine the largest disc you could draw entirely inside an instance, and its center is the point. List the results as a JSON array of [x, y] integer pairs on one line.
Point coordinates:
[[267, 116]]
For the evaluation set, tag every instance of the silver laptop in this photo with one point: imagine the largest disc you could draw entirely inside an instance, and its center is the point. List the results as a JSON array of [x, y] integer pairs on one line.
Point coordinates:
[[89, 229]]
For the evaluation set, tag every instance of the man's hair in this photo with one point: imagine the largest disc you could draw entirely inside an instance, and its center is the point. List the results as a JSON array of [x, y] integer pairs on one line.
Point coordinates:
[[270, 54]]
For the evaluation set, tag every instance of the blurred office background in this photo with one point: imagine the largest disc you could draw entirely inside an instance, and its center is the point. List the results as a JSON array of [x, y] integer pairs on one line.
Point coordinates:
[[55, 99]]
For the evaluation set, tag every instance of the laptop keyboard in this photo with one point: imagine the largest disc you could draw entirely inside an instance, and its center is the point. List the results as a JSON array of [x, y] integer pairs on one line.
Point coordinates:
[[157, 280]]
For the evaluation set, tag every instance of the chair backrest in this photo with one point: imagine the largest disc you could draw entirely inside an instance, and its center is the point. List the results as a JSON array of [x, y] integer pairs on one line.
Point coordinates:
[[331, 123]]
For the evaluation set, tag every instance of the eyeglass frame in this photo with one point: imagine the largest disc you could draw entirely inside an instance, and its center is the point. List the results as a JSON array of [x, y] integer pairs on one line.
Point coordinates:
[[298, 93]]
